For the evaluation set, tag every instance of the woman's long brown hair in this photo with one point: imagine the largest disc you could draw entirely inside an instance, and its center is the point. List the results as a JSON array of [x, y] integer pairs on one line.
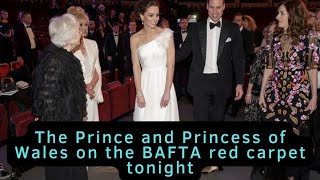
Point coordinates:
[[298, 17]]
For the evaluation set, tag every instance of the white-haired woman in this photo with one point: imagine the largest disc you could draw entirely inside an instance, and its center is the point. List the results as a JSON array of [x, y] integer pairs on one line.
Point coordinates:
[[88, 54], [58, 86]]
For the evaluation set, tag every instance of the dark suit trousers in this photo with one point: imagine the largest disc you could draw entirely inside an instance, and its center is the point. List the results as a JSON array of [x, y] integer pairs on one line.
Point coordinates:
[[66, 173], [209, 105], [31, 59], [118, 63]]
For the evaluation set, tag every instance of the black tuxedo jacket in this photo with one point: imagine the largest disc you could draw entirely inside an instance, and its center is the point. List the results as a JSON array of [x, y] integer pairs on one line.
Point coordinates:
[[247, 44], [93, 36], [177, 42], [126, 46], [113, 50], [21, 40], [230, 57], [177, 39]]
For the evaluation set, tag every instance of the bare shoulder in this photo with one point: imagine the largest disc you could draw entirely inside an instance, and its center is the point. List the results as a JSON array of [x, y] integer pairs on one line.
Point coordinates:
[[134, 39], [137, 37]]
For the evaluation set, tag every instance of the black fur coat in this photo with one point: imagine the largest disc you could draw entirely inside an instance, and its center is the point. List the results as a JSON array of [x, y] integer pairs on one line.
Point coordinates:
[[58, 87]]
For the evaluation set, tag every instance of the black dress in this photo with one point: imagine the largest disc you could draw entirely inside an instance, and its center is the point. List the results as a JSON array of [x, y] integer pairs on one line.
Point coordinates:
[[59, 95]]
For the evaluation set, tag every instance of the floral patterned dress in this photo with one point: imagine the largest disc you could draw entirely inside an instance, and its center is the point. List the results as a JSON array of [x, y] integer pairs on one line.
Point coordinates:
[[288, 90]]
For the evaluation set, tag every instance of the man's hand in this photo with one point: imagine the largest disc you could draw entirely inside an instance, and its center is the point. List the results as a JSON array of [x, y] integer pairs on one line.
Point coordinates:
[[239, 92]]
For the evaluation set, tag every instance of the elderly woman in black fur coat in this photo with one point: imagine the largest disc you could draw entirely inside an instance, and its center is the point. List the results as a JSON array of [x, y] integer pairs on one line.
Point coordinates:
[[58, 86]]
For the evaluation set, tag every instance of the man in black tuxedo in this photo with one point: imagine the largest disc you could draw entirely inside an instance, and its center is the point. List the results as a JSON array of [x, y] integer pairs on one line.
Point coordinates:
[[92, 33], [181, 69], [25, 42], [91, 9], [248, 47], [126, 48], [114, 52], [248, 44], [217, 49]]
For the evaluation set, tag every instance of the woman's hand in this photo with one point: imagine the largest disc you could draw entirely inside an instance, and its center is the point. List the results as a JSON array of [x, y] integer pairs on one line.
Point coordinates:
[[90, 91], [312, 105], [262, 101], [248, 98], [141, 101], [165, 99]]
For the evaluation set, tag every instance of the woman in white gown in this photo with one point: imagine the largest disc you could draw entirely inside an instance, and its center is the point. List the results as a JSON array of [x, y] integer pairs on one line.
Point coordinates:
[[153, 66], [88, 54]]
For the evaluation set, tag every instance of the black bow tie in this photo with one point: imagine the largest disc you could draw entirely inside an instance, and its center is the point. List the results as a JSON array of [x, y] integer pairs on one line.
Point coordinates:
[[28, 26], [212, 25], [116, 35], [184, 31]]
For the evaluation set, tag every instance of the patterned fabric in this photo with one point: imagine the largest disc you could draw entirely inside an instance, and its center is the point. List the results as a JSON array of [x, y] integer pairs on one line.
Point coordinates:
[[58, 87], [164, 37], [288, 90], [252, 111]]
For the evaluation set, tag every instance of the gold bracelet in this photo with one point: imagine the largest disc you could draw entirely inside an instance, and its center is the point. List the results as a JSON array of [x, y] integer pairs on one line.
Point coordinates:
[[139, 94]]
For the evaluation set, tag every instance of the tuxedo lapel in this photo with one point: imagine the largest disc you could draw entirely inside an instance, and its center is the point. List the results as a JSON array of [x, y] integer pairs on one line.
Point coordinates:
[[180, 40], [203, 38], [25, 33], [223, 37], [114, 41]]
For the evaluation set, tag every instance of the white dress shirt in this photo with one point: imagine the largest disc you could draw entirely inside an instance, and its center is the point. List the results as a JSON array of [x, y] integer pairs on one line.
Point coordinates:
[[213, 36], [184, 35], [116, 38]]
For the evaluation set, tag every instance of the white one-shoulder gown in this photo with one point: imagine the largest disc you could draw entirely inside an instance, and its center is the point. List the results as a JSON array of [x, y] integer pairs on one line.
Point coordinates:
[[153, 60]]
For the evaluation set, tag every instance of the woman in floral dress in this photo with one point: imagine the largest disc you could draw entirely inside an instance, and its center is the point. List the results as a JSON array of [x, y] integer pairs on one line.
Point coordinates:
[[252, 109], [289, 84]]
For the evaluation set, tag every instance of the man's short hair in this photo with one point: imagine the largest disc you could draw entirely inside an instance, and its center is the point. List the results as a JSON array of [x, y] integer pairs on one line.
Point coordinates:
[[115, 24], [239, 14]]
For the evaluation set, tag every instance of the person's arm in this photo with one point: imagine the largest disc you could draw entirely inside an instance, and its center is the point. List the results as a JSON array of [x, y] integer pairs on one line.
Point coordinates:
[[47, 88], [313, 72], [238, 60], [90, 88], [186, 47], [266, 75], [136, 70], [97, 78], [254, 72], [107, 48], [170, 71]]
